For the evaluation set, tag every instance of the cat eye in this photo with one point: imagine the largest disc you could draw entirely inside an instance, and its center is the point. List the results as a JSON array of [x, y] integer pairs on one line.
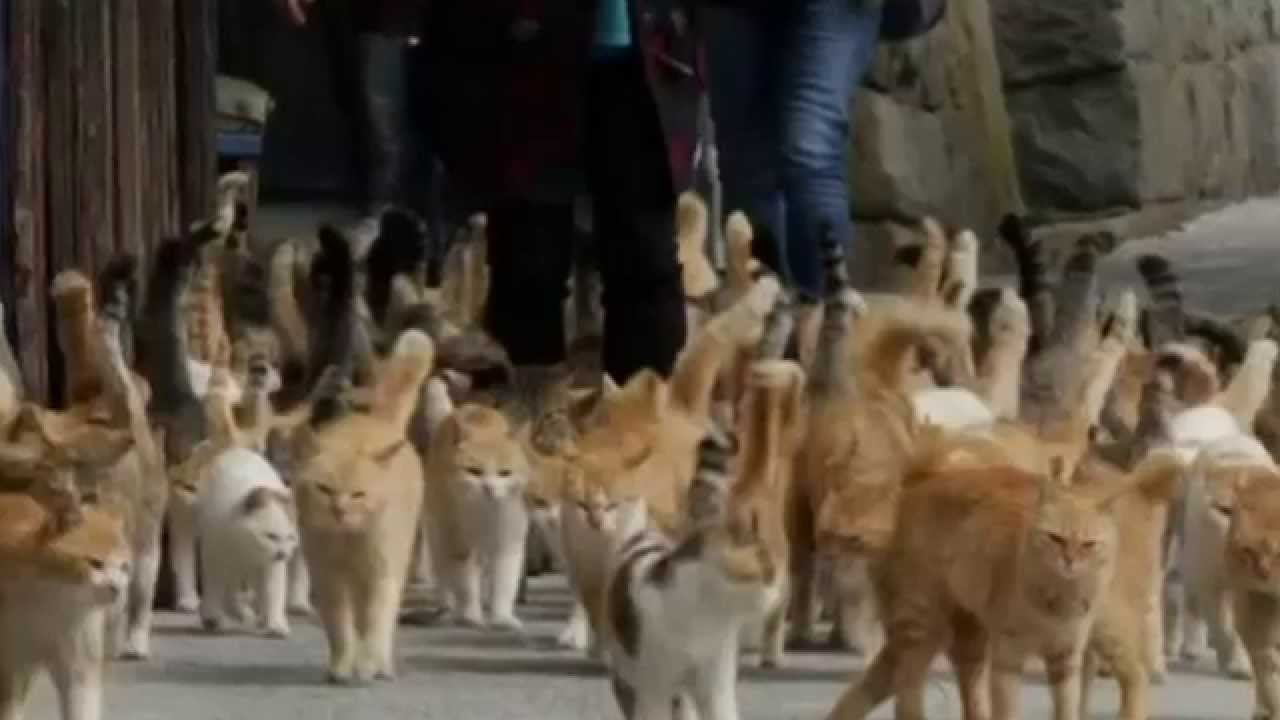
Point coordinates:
[[475, 471], [540, 503], [97, 564], [611, 507], [1058, 539], [1224, 510], [358, 495], [504, 473], [325, 490], [273, 537]]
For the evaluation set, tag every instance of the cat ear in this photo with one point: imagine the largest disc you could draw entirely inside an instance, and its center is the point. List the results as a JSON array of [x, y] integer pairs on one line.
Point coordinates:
[[608, 387]]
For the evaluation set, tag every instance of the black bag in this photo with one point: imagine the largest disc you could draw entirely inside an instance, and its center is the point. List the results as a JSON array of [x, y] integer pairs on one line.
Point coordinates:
[[906, 19]]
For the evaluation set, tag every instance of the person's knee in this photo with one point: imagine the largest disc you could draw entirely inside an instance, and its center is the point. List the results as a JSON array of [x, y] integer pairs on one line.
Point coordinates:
[[816, 142]]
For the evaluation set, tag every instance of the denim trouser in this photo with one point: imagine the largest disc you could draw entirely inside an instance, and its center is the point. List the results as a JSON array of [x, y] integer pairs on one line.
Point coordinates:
[[781, 81]]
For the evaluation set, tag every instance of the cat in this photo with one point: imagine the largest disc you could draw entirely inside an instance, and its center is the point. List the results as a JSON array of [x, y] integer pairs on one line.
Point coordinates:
[[698, 277], [56, 587], [675, 609], [127, 479], [247, 539], [1026, 567], [1033, 277], [551, 476], [1251, 570], [1220, 468], [359, 487], [1127, 635], [475, 516]]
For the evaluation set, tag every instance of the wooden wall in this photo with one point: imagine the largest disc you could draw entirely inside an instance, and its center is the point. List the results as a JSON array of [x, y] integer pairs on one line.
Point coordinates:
[[111, 144]]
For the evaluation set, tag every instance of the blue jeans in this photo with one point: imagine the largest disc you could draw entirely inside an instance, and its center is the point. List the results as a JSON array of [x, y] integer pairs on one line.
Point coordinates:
[[781, 81]]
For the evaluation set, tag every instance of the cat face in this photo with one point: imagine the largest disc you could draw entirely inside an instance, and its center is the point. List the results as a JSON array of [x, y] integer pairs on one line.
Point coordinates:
[[344, 491], [1071, 540], [92, 557], [1221, 485], [267, 524], [1253, 541], [488, 459]]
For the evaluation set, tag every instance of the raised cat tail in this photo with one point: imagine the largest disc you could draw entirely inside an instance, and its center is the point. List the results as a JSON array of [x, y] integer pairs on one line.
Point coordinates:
[[960, 274], [286, 315], [73, 299], [698, 277], [1230, 348], [1077, 298], [712, 482], [737, 328], [1248, 390], [926, 281], [1033, 277], [400, 249], [1000, 376], [162, 347], [738, 236], [1164, 322], [829, 377], [332, 319], [395, 396], [1117, 334], [891, 333]]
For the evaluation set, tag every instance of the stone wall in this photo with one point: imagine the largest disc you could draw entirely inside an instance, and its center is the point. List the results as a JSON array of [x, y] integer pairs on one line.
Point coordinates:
[[1134, 114]]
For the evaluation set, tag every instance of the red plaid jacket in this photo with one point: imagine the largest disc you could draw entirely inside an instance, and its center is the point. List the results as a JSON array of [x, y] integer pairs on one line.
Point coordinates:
[[507, 88]]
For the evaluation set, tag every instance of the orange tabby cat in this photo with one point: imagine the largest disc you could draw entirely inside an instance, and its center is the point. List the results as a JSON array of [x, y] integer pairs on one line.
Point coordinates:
[[1025, 568], [56, 587], [1253, 572], [359, 486]]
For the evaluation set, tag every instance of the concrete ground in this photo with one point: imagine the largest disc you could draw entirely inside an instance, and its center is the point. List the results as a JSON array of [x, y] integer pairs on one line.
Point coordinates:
[[1231, 262]]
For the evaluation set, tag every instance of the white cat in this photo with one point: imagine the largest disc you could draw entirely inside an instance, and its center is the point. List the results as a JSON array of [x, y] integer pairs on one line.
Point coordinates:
[[953, 408], [1211, 485], [248, 536]]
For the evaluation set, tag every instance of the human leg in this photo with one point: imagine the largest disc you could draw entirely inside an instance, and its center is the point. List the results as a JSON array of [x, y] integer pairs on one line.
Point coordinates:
[[829, 46], [634, 212]]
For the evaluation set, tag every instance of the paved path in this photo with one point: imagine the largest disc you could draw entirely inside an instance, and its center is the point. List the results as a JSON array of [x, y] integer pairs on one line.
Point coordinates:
[[1231, 262], [458, 674]]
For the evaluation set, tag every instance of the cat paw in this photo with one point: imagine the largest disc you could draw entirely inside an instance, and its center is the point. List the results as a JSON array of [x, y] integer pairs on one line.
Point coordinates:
[[188, 605], [346, 679], [301, 610], [213, 624], [278, 630], [1239, 670]]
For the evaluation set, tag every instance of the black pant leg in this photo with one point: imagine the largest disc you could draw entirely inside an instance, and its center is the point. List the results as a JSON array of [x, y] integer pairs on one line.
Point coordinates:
[[530, 254], [634, 211]]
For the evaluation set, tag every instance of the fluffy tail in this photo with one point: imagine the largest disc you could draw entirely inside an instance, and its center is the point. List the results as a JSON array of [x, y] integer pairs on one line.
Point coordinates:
[[699, 278], [709, 492], [960, 279], [1033, 275], [76, 318], [1117, 334], [738, 238], [118, 287], [738, 328], [889, 335], [1164, 321], [396, 394], [829, 376], [333, 320], [1000, 376], [770, 422], [401, 247], [926, 281], [162, 340], [286, 315], [1077, 297], [1248, 390]]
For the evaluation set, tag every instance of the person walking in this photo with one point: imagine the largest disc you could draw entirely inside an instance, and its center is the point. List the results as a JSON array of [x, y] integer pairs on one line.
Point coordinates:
[[537, 101], [782, 77]]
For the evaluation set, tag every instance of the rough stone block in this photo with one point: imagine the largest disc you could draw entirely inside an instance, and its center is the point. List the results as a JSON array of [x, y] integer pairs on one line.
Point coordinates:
[[899, 164], [1235, 83], [871, 267], [1077, 144], [1263, 77], [1165, 131], [912, 72], [1058, 40], [1141, 28], [1207, 28], [1208, 151]]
